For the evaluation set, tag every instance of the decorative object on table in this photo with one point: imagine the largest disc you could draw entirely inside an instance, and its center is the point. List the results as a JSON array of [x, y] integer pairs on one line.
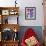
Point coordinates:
[[30, 38], [15, 36], [15, 3], [30, 13], [6, 21]]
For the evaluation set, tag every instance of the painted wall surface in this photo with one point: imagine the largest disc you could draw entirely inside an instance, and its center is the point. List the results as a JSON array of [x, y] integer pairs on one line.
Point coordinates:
[[44, 12], [26, 3]]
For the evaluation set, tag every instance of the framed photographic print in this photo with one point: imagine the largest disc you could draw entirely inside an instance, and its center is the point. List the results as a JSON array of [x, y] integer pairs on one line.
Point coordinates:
[[5, 20], [30, 13], [5, 12]]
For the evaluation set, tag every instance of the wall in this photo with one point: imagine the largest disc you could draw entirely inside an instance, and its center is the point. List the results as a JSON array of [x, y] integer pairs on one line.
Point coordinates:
[[27, 3], [39, 13]]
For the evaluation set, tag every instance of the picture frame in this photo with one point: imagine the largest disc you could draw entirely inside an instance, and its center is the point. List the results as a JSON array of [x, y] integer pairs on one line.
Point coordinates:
[[5, 12], [12, 12], [30, 13]]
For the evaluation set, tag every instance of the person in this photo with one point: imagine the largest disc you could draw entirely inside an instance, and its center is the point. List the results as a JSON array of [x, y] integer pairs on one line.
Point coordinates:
[[30, 38]]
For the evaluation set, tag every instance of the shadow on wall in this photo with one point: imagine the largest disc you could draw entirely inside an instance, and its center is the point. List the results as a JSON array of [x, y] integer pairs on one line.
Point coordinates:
[[37, 29]]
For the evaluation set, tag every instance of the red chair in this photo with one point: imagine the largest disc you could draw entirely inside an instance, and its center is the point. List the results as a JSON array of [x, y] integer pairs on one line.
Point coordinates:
[[29, 33]]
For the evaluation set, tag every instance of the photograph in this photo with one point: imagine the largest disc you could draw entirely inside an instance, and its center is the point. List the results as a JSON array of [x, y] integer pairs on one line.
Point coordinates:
[[30, 13]]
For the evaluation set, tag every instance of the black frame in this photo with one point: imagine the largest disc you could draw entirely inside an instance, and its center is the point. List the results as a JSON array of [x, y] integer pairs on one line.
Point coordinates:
[[34, 8]]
